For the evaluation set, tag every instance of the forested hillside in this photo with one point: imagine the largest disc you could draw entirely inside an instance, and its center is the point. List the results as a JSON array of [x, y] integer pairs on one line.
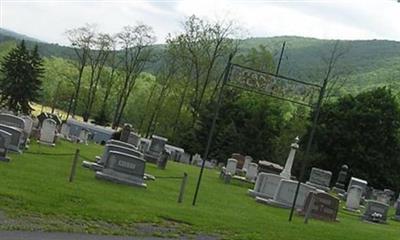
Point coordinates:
[[366, 63]]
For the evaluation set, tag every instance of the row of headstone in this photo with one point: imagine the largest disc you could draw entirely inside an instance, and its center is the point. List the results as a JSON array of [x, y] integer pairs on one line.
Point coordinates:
[[81, 136], [231, 168]]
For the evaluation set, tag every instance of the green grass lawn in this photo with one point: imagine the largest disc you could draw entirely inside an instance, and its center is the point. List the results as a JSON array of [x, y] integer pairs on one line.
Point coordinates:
[[37, 185]]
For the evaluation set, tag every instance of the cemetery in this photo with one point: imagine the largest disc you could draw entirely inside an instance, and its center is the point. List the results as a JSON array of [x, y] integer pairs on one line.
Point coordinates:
[[247, 206], [272, 120]]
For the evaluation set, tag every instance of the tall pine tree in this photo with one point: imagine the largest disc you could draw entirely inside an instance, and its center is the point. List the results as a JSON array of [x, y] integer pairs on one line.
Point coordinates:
[[22, 71]]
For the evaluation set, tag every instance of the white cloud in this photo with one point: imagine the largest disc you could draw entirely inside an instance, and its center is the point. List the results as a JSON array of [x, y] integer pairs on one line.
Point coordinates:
[[339, 19]]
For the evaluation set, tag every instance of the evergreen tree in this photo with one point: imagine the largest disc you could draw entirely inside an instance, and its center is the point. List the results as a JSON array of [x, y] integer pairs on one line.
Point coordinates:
[[22, 71]]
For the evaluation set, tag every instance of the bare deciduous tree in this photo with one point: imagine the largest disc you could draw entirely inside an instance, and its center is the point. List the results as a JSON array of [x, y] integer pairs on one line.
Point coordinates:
[[81, 40], [102, 46], [135, 42]]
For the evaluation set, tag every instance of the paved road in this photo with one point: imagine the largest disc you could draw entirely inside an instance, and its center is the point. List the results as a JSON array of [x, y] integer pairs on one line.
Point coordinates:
[[19, 235]]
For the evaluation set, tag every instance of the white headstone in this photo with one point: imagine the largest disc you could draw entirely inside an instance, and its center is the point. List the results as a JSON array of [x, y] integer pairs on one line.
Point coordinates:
[[83, 136], [252, 171], [354, 197], [231, 166], [359, 182], [247, 161], [266, 185], [48, 131], [285, 192], [196, 159], [28, 124]]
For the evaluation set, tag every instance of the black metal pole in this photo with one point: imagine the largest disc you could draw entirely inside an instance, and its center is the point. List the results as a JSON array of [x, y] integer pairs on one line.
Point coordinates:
[[280, 58], [212, 129], [308, 147]]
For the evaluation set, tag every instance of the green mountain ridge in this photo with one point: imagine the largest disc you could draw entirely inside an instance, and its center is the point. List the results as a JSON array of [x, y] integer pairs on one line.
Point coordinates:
[[365, 64]]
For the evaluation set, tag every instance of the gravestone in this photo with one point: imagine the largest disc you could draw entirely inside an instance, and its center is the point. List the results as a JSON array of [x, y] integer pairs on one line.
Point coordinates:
[[341, 180], [120, 143], [287, 171], [157, 146], [320, 179], [28, 125], [185, 158], [17, 122], [376, 211], [13, 121], [359, 182], [83, 136], [134, 139], [382, 196], [247, 161], [5, 138], [266, 185], [240, 160], [144, 144], [229, 171], [252, 171], [100, 161], [124, 169], [397, 213], [16, 137], [321, 205], [65, 128], [48, 132], [231, 165], [196, 160], [126, 130], [285, 192], [163, 159], [353, 198]]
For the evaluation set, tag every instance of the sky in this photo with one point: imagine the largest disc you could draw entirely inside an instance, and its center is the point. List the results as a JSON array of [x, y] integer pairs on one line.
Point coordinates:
[[47, 20]]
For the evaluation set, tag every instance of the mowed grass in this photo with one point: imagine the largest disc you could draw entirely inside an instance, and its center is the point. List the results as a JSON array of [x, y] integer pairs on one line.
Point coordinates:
[[38, 184]]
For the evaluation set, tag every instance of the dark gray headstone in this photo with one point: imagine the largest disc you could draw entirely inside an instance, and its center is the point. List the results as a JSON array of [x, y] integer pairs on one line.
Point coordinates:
[[341, 180], [397, 214], [118, 148], [376, 211], [16, 137], [13, 121], [123, 168], [126, 130], [134, 139], [5, 139], [157, 144], [120, 143]]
